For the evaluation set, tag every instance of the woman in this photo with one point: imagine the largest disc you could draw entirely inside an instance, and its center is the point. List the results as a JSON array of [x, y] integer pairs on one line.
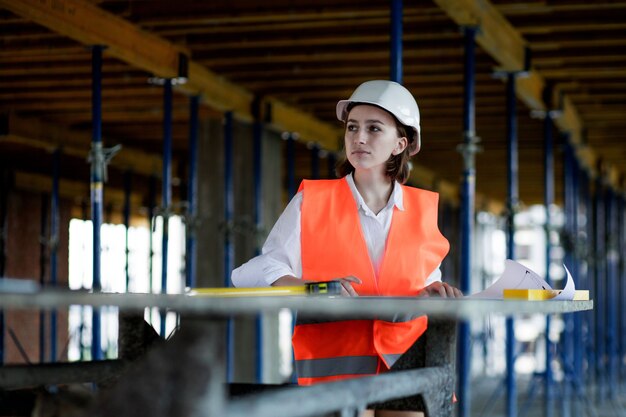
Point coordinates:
[[375, 235]]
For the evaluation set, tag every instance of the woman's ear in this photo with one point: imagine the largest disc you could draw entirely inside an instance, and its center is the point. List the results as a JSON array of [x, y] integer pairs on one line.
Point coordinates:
[[400, 146]]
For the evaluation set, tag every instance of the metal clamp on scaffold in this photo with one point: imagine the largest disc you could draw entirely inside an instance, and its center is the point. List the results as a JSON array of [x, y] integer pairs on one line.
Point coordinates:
[[309, 288], [99, 158]]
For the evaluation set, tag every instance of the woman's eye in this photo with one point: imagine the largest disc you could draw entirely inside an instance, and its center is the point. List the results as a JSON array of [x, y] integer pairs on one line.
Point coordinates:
[[352, 128], [374, 129]]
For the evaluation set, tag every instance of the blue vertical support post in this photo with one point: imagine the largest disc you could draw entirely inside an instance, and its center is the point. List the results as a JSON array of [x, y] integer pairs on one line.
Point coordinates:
[[468, 190], [291, 191], [600, 287], [97, 189], [291, 164], [229, 253], [576, 318], [166, 190], [54, 244], [332, 161], [512, 203], [192, 187], [43, 260], [152, 190], [621, 218], [611, 293], [4, 193], [396, 41], [590, 275], [127, 187], [548, 199], [257, 167], [570, 214], [315, 161]]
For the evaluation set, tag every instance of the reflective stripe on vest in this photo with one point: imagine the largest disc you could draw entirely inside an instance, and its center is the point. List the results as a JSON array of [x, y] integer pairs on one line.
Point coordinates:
[[397, 318], [332, 245], [344, 365], [391, 357]]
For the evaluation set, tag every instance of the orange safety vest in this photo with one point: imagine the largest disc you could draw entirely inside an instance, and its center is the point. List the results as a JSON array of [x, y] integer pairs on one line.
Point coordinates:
[[333, 246]]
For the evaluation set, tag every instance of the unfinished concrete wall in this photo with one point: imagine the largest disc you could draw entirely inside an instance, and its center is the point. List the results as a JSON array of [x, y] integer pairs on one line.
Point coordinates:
[[23, 253], [210, 237], [211, 231]]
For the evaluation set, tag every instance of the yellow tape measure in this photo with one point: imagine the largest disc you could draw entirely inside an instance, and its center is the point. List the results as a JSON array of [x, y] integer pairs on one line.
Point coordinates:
[[323, 287]]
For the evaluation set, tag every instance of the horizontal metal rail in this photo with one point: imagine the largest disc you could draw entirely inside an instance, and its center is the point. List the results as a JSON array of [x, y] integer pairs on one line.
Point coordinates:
[[22, 376], [324, 306], [351, 394]]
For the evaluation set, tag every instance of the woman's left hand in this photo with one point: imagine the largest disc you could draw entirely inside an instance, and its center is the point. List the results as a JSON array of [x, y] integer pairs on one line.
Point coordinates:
[[440, 289], [346, 285]]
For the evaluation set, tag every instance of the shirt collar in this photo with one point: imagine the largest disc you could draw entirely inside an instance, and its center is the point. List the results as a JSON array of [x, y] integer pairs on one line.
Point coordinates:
[[396, 198]]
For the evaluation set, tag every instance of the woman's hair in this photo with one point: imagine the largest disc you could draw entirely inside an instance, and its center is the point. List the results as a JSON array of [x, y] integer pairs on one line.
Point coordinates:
[[397, 167]]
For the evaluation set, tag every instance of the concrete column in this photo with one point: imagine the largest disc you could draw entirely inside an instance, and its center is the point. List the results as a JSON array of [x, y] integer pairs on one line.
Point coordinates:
[[211, 230]]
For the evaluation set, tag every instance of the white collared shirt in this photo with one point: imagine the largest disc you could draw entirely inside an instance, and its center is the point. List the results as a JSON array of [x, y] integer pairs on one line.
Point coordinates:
[[281, 252]]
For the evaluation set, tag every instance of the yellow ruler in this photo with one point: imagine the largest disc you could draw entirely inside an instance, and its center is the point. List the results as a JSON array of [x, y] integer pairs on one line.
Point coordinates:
[[248, 292], [539, 295], [309, 288]]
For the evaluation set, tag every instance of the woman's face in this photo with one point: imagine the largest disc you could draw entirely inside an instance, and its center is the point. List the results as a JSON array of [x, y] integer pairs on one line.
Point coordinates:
[[371, 137]]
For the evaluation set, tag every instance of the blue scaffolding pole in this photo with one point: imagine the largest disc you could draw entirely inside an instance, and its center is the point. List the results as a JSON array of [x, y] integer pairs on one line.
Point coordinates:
[[600, 288], [577, 318], [512, 203], [97, 185], [291, 164], [621, 218], [291, 191], [315, 161], [396, 41], [548, 199], [152, 191], [54, 244], [567, 341], [332, 161], [589, 341], [127, 187], [468, 190], [611, 293], [257, 167], [166, 190], [229, 252], [192, 187], [4, 192], [43, 259]]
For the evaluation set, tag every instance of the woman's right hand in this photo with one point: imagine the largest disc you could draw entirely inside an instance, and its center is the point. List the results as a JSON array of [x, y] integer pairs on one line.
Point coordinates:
[[346, 283]]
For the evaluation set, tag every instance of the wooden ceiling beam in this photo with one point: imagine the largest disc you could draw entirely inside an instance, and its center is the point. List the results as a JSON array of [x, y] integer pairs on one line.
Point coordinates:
[[532, 28], [23, 84], [335, 42], [552, 45], [63, 70], [305, 58], [539, 8], [145, 92], [255, 18], [90, 25], [37, 134], [598, 73], [562, 60]]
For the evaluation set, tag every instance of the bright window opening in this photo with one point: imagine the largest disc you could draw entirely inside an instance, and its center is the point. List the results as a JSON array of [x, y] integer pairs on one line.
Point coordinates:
[[144, 276]]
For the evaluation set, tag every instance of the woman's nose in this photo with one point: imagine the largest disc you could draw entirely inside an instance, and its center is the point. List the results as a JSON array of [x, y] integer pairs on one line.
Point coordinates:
[[360, 137]]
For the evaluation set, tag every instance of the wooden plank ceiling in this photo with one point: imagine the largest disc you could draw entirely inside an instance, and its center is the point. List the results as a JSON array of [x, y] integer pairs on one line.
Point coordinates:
[[302, 56]]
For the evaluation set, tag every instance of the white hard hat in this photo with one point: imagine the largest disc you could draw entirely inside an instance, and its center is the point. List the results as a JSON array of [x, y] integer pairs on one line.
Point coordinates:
[[392, 97]]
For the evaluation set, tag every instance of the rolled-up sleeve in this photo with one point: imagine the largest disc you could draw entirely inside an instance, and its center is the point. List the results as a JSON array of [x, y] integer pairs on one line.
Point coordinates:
[[280, 254], [435, 276]]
